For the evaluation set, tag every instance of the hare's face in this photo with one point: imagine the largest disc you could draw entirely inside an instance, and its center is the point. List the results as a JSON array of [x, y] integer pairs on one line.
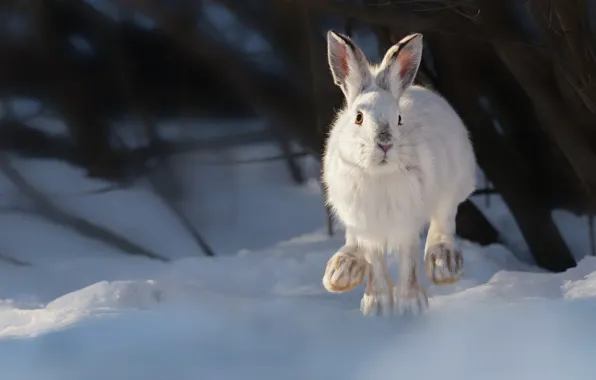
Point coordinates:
[[368, 133], [369, 126]]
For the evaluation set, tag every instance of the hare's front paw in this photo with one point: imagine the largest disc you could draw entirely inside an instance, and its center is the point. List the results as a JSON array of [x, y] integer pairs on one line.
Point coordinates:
[[444, 264], [344, 272], [412, 301], [376, 305]]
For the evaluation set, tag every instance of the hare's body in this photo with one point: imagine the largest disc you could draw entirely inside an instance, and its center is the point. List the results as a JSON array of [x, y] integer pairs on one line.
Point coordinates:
[[398, 157], [437, 170]]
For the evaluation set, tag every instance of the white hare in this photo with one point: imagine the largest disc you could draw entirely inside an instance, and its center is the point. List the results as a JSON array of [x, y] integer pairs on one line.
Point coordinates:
[[397, 158]]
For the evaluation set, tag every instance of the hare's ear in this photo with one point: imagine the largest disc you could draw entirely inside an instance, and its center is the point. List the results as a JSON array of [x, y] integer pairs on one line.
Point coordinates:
[[400, 65], [348, 64]]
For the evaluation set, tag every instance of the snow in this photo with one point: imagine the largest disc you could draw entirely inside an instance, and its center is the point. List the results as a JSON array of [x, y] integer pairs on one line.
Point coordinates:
[[143, 21], [81, 44], [265, 317], [107, 7], [258, 310], [51, 126], [233, 30], [24, 107], [576, 232]]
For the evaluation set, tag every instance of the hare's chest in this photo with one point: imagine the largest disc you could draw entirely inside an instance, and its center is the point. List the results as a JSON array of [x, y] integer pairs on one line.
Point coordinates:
[[378, 207]]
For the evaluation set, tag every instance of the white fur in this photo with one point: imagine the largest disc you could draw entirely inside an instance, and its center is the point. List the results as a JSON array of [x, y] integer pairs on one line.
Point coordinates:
[[429, 171]]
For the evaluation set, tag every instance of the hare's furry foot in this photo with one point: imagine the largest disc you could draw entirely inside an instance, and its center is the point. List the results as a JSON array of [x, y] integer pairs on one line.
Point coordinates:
[[444, 264], [378, 298], [344, 272], [413, 301], [376, 305]]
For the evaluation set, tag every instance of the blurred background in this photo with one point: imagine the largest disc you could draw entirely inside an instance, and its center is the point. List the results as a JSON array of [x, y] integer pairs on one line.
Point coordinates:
[[169, 128]]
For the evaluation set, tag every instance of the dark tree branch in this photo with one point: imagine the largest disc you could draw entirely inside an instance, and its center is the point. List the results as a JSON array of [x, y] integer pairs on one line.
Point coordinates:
[[46, 209], [459, 81], [14, 261], [536, 79]]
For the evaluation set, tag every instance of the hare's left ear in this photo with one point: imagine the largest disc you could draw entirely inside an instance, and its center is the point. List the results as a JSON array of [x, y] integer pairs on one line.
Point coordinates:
[[348, 64], [400, 65]]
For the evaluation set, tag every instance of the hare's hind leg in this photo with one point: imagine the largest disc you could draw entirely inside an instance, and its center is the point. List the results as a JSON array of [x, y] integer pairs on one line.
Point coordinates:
[[378, 296], [442, 259], [409, 296]]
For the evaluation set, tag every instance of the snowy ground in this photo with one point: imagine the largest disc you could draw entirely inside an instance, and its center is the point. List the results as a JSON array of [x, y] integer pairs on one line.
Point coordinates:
[[258, 310]]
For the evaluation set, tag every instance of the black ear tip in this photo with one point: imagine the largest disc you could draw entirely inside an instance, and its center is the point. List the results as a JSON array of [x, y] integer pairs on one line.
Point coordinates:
[[415, 36], [332, 36], [410, 37]]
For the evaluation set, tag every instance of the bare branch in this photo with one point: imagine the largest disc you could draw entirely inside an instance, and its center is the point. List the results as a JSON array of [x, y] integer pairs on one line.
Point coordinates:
[[14, 261], [49, 211]]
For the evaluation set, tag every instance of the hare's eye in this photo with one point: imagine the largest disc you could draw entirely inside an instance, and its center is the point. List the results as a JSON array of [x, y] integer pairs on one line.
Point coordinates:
[[399, 120], [359, 118]]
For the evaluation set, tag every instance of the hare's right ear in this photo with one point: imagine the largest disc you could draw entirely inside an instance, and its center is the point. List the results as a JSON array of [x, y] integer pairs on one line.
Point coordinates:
[[348, 64], [400, 65]]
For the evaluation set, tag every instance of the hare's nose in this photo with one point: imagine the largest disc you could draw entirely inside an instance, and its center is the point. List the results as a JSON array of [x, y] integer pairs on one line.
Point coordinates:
[[385, 148]]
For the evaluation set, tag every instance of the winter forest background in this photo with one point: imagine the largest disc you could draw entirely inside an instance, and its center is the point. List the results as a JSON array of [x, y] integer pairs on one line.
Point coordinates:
[[167, 152]]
